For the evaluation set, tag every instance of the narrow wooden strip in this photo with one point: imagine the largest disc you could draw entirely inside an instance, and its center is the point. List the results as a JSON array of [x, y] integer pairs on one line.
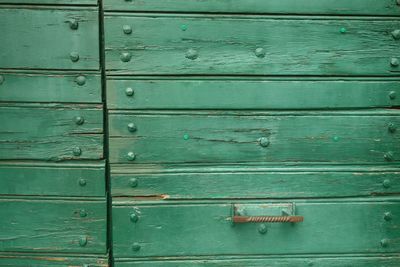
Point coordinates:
[[49, 260], [50, 2]]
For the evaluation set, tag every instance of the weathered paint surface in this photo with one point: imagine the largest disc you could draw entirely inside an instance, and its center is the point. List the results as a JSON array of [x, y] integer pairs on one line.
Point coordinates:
[[35, 260], [50, 2]]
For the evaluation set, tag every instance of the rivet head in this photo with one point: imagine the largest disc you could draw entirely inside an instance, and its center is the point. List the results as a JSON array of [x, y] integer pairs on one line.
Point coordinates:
[[392, 95], [79, 120], [127, 29], [387, 216], [386, 183], [126, 57], [388, 156], [2, 79], [343, 30], [394, 62], [263, 141], [83, 241], [132, 127], [82, 213], [82, 182], [385, 242], [133, 182], [134, 217], [262, 229], [392, 127], [192, 54], [74, 56], [396, 34], [131, 156], [186, 137], [135, 246], [80, 80], [260, 52], [184, 27], [77, 151], [129, 91], [73, 24]]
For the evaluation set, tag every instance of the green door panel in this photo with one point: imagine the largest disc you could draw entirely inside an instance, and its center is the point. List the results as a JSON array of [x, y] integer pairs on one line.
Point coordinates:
[[250, 45], [35, 260], [168, 229], [339, 261], [32, 225], [51, 132], [251, 94], [347, 137], [178, 182], [52, 179], [41, 38], [342, 7], [50, 87]]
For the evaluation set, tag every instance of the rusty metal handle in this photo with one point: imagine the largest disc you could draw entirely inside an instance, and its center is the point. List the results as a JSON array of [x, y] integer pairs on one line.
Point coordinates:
[[267, 219]]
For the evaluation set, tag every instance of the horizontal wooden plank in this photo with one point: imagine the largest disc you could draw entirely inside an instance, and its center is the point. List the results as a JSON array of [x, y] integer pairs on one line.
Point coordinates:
[[76, 226], [45, 87], [35, 260], [204, 137], [339, 261], [356, 7], [51, 132], [41, 38], [251, 94], [52, 179], [252, 182], [346, 227], [250, 45], [50, 2]]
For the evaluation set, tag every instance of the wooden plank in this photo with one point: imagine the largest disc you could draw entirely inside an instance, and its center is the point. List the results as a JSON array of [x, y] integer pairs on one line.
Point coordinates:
[[339, 261], [50, 2], [172, 93], [52, 179], [329, 227], [217, 137], [34, 260], [55, 87], [252, 181], [51, 132], [250, 45], [29, 225], [40, 38], [338, 7]]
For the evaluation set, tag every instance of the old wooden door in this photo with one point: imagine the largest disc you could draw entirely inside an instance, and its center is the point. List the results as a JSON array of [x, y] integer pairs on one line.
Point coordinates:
[[253, 133]]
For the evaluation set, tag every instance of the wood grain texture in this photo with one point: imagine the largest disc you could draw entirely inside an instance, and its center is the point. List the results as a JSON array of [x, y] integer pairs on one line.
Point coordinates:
[[354, 7], [205, 228], [226, 45], [29, 225], [50, 87], [155, 93], [52, 179], [218, 137], [339, 261], [50, 2], [50, 132], [41, 38], [252, 181], [49, 260]]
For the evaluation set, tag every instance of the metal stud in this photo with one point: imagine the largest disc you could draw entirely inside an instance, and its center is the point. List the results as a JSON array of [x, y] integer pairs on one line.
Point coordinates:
[[135, 246], [80, 80], [384, 242], [2, 79], [192, 54], [388, 156], [82, 182], [387, 216], [74, 56], [83, 241], [133, 182], [82, 213], [134, 217], [343, 30], [126, 57], [262, 229], [263, 141], [394, 61], [127, 29], [386, 183], [131, 156], [392, 95], [129, 91], [260, 52], [132, 127], [77, 151], [396, 34], [79, 120], [184, 27], [392, 127], [73, 24]]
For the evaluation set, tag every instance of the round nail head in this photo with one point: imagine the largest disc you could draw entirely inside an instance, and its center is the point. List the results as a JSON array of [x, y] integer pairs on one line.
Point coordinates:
[[260, 52], [127, 29], [76, 151], [73, 24], [135, 246], [263, 141], [80, 80], [132, 127], [133, 182], [82, 182], [394, 62], [74, 56], [131, 156], [126, 57], [79, 120], [129, 91], [192, 54]]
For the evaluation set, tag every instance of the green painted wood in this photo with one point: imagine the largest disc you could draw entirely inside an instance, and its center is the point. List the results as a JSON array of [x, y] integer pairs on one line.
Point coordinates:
[[41, 38], [340, 261], [179, 182], [205, 228], [50, 2], [50, 132], [251, 94], [34, 225], [356, 7], [218, 137], [34, 260], [228, 45], [52, 179], [54, 87]]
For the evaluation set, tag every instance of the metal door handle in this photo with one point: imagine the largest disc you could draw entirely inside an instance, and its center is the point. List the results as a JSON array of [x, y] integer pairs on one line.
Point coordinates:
[[267, 219]]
